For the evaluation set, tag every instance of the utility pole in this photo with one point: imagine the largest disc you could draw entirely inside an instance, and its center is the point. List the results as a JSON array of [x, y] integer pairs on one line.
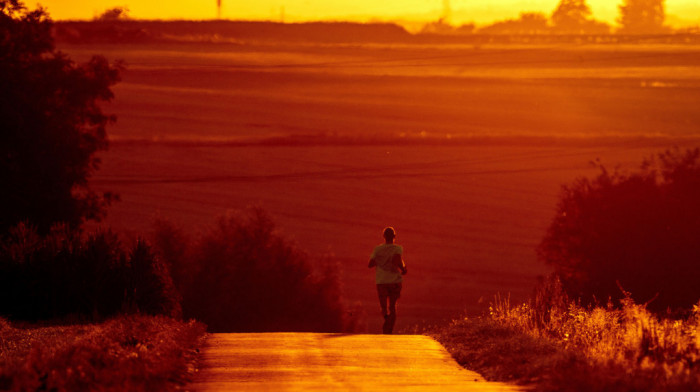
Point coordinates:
[[218, 9], [446, 11]]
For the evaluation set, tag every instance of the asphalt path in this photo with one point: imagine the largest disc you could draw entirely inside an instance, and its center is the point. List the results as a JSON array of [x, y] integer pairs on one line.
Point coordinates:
[[332, 362]]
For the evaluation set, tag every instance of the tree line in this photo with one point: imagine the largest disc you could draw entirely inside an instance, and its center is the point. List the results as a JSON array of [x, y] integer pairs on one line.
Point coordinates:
[[572, 17], [240, 276], [616, 233]]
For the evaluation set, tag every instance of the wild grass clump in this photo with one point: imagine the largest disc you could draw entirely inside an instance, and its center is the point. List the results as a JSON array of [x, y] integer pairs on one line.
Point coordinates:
[[559, 345], [129, 353]]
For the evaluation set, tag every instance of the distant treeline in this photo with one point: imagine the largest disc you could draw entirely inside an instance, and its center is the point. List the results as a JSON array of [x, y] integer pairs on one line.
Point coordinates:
[[220, 31]]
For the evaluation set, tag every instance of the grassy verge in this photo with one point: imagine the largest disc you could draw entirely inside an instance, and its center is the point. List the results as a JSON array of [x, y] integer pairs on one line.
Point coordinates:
[[125, 353], [571, 348]]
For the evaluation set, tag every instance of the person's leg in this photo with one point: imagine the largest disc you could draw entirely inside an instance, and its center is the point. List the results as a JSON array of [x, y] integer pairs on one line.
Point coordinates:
[[383, 294], [394, 294]]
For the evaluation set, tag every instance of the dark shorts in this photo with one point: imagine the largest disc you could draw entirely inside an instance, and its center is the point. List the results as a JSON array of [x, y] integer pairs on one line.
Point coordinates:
[[389, 290]]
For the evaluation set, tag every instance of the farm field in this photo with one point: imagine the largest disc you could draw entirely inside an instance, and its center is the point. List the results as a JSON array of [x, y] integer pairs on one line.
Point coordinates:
[[462, 149]]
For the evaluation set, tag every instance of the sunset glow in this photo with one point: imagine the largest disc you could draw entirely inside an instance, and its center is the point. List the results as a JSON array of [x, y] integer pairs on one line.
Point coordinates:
[[680, 12], [433, 195]]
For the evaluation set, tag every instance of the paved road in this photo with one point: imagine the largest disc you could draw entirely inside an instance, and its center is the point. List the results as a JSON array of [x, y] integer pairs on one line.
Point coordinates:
[[332, 362]]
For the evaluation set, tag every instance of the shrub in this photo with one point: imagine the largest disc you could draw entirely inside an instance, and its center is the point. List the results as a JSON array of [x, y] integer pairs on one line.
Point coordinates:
[[243, 276], [128, 353], [603, 348], [637, 231], [64, 273]]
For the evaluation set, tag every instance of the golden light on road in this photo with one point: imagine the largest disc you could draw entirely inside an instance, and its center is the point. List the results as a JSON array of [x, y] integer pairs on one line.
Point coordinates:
[[463, 11]]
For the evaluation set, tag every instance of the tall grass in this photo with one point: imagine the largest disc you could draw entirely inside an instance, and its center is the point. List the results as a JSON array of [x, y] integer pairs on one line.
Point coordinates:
[[129, 353], [560, 345]]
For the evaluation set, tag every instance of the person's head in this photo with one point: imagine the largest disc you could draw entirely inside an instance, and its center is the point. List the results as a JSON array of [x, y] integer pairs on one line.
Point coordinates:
[[389, 234]]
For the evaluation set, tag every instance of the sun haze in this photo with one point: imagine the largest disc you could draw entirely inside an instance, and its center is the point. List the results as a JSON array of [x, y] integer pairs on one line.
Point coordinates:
[[681, 12]]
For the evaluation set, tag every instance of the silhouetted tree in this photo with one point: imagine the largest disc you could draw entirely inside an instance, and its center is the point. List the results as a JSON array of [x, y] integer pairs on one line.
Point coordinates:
[[50, 124], [571, 16], [642, 17], [112, 14], [574, 17], [242, 276], [638, 231], [65, 273]]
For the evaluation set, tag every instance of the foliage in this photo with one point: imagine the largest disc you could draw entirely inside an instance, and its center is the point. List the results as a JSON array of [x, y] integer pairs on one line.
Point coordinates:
[[51, 124], [628, 348], [637, 231], [571, 15], [112, 14], [134, 353], [642, 17], [577, 348], [65, 274], [242, 276], [574, 17]]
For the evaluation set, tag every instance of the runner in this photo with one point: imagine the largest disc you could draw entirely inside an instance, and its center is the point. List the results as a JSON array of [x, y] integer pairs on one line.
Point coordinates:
[[390, 266]]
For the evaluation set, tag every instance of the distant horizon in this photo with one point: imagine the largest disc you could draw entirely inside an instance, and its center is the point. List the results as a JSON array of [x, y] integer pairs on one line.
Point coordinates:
[[680, 13]]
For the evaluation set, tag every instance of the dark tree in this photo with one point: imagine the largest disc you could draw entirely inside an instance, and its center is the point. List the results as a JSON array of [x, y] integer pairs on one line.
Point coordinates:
[[112, 14], [70, 273], [635, 231], [571, 16], [50, 124], [642, 17], [242, 276], [574, 17]]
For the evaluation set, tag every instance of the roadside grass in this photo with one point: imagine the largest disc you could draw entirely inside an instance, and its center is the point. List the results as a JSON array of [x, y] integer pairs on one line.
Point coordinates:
[[553, 344], [135, 353]]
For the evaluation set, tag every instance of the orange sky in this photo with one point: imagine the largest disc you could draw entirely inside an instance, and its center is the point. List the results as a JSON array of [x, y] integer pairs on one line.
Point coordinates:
[[681, 12]]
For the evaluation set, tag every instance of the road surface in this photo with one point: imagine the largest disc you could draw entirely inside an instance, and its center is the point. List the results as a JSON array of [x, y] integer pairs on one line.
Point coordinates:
[[332, 362]]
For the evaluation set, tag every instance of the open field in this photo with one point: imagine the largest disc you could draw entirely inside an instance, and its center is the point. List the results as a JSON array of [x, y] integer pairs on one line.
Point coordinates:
[[462, 149]]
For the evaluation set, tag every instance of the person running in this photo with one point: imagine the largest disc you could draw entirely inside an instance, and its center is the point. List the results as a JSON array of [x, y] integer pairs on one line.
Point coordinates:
[[388, 259]]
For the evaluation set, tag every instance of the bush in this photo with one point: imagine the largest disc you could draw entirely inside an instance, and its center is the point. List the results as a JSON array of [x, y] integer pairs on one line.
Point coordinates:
[[242, 276], [131, 353], [65, 274], [637, 231], [591, 348]]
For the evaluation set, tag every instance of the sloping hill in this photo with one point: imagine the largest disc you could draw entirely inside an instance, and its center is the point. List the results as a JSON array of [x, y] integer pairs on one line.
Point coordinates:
[[332, 362]]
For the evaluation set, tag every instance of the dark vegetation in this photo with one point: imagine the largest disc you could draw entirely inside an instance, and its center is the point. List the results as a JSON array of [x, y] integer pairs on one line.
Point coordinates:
[[144, 31], [51, 125], [242, 276], [69, 275], [120, 299], [134, 353], [642, 17], [553, 344], [640, 21], [530, 28], [583, 330], [636, 231]]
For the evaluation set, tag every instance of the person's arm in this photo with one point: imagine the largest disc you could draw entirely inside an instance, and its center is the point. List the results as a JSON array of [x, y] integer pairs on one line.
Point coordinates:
[[398, 261], [372, 263]]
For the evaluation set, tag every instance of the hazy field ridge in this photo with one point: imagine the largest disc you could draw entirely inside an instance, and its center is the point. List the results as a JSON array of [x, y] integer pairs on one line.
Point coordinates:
[[462, 149]]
